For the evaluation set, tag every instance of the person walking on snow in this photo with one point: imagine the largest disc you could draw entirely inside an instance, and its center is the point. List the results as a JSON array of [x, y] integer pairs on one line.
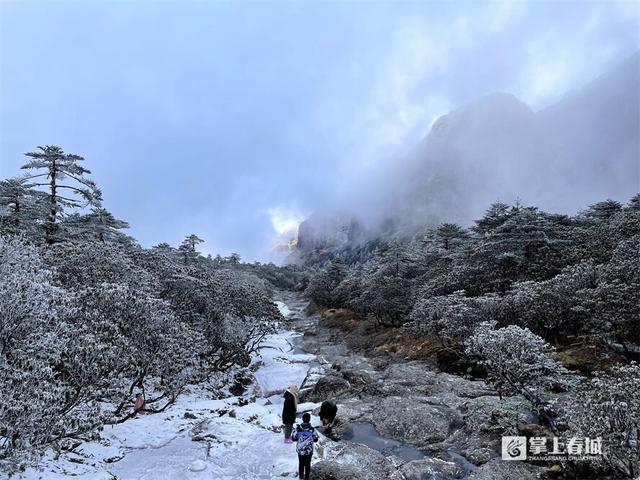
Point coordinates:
[[305, 435], [289, 411]]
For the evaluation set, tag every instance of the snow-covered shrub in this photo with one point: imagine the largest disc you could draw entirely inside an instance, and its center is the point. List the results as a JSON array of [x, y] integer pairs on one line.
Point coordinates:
[[452, 318], [617, 296], [322, 285], [552, 308], [85, 264], [36, 405], [387, 285], [517, 361], [228, 309], [240, 294], [608, 406], [239, 337], [123, 336]]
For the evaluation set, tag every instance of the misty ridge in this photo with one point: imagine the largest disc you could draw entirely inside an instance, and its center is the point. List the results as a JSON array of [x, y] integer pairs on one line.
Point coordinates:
[[561, 159]]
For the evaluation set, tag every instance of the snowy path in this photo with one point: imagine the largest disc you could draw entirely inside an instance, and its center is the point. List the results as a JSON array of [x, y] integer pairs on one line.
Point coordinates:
[[199, 438]]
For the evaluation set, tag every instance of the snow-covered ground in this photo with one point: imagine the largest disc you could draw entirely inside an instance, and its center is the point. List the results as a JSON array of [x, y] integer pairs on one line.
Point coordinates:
[[201, 438]]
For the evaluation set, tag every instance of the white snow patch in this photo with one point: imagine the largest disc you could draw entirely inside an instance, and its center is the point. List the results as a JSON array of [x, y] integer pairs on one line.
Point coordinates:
[[284, 309], [280, 366]]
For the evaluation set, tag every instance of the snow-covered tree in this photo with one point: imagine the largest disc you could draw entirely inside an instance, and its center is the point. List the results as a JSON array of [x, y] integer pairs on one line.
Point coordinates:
[[517, 361], [188, 248], [496, 215], [450, 318], [99, 224], [450, 235], [614, 303], [67, 186], [608, 406], [322, 285], [125, 338], [387, 284], [553, 308], [85, 264], [22, 209], [36, 406], [602, 211]]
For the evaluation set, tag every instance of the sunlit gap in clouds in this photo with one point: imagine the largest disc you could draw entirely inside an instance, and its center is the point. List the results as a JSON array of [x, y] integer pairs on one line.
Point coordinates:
[[285, 222]]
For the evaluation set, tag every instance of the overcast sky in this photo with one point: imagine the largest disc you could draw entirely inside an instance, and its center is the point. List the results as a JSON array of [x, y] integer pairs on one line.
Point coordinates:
[[236, 120]]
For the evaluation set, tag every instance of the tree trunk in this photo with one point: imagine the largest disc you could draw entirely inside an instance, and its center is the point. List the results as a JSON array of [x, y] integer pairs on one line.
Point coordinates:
[[53, 212]]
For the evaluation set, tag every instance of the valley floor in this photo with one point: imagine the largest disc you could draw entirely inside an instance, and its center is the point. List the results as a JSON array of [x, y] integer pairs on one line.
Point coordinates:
[[399, 420]]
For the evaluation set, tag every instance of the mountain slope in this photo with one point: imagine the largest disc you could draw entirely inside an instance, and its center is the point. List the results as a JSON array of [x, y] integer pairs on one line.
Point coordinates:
[[576, 152]]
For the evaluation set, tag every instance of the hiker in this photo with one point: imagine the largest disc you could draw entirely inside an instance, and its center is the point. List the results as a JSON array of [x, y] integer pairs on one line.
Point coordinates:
[[289, 411], [328, 411], [138, 406], [305, 435]]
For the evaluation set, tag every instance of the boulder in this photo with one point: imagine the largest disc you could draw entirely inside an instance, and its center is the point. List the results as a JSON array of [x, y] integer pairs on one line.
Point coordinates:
[[497, 469], [429, 468], [356, 462], [414, 421], [330, 386]]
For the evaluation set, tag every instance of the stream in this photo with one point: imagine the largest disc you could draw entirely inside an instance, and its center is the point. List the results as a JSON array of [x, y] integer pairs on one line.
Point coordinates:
[[354, 427]]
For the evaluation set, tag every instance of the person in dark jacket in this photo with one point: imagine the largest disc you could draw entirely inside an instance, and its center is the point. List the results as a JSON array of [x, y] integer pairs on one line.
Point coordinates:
[[289, 411], [328, 412], [305, 436]]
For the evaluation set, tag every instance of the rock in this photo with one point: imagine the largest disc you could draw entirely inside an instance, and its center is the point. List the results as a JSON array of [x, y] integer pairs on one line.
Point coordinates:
[[532, 429], [198, 466], [356, 462], [555, 471], [491, 414], [330, 386], [497, 469], [189, 415], [412, 420], [356, 378], [113, 459], [429, 468], [240, 384]]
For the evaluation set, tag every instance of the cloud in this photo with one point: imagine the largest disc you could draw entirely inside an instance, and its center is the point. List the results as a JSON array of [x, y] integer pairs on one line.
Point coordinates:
[[285, 220], [217, 117]]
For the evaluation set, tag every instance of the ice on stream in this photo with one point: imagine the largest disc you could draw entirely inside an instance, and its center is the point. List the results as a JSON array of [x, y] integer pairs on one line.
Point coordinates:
[[243, 443]]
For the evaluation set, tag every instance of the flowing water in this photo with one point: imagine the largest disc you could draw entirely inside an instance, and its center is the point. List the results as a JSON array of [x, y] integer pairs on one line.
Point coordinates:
[[366, 433]]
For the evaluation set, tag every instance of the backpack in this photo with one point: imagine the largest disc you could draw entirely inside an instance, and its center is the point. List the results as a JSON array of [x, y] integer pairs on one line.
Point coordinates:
[[305, 435]]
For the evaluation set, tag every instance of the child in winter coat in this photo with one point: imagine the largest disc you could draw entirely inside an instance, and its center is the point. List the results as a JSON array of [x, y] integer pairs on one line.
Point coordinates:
[[305, 435]]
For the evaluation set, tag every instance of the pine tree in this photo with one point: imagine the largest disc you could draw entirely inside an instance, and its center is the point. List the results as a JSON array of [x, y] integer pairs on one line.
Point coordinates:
[[100, 224], [21, 208], [190, 243], [602, 211], [61, 171], [496, 215], [634, 203], [188, 247], [450, 234]]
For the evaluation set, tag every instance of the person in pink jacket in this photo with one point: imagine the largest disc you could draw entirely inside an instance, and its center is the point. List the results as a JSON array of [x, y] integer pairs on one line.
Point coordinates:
[[138, 406]]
